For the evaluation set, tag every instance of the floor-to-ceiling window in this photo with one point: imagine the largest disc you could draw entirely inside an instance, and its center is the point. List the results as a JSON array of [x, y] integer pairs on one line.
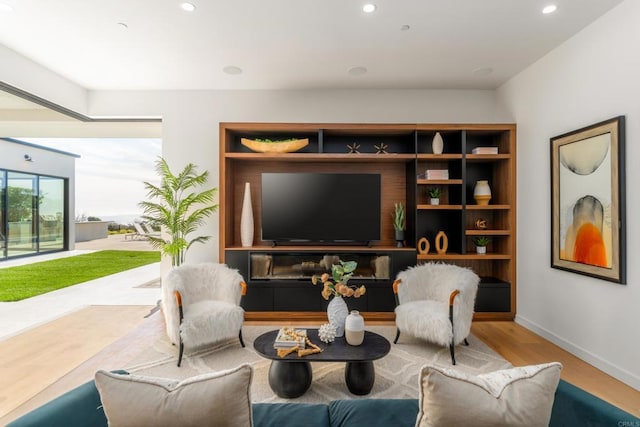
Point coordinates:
[[51, 204], [32, 214]]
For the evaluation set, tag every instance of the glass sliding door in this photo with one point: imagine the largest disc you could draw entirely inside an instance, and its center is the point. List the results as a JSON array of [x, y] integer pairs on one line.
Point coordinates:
[[22, 191], [3, 219], [51, 213]]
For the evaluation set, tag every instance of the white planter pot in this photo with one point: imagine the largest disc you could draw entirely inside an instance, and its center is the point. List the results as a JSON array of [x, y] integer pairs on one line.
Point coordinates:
[[434, 201], [481, 250]]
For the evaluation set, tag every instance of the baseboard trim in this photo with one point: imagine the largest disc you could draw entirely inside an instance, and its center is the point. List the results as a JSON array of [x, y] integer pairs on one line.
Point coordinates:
[[605, 366]]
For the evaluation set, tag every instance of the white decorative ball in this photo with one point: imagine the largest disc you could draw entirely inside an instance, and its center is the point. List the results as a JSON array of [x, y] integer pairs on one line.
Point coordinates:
[[327, 333]]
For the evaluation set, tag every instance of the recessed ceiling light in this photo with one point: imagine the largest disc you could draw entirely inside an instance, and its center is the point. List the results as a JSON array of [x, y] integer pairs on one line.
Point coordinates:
[[482, 72], [189, 7], [405, 27], [369, 8], [122, 25], [232, 69], [4, 7], [357, 71], [549, 9]]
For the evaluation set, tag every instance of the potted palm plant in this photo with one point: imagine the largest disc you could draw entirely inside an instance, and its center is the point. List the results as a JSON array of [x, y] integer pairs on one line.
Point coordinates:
[[481, 243], [178, 209], [399, 223], [434, 194]]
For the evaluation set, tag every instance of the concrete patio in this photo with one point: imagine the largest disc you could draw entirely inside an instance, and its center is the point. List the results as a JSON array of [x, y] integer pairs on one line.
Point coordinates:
[[123, 288]]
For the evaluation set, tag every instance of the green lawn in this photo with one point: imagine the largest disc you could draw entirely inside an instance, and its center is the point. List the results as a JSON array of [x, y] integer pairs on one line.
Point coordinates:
[[17, 283]]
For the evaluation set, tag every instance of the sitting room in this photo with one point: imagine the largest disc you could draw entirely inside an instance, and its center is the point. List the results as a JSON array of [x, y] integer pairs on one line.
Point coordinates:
[[421, 211]]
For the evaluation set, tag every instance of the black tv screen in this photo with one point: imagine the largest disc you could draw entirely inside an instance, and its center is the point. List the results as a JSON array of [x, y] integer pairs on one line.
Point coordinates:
[[321, 207]]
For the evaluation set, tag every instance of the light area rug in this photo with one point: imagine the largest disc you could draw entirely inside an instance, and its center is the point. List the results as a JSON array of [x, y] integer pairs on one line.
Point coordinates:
[[396, 374]]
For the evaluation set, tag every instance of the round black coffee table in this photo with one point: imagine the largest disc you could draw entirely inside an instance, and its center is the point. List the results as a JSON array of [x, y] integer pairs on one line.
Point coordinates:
[[291, 376]]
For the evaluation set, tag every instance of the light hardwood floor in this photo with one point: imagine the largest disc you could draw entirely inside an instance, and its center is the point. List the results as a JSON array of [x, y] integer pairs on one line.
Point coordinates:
[[517, 344]]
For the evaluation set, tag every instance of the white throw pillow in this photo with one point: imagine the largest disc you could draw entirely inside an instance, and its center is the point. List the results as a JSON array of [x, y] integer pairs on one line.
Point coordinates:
[[510, 397], [213, 399]]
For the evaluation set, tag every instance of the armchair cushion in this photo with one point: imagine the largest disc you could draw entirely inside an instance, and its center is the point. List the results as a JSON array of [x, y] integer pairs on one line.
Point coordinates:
[[219, 398], [426, 319], [207, 321]]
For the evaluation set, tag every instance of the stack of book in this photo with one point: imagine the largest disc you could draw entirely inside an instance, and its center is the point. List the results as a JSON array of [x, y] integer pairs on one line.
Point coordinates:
[[289, 338], [437, 174], [485, 150]]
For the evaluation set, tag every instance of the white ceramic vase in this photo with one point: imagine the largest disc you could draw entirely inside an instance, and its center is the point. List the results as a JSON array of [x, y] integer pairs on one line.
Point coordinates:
[[246, 218], [482, 192], [354, 328], [481, 250], [437, 144], [337, 313], [434, 201]]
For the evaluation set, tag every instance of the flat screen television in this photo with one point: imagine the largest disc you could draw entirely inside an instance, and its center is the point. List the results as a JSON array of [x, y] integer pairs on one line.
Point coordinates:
[[321, 207]]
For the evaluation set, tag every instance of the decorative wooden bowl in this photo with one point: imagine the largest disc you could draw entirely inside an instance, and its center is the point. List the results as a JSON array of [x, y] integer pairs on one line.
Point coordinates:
[[275, 147]]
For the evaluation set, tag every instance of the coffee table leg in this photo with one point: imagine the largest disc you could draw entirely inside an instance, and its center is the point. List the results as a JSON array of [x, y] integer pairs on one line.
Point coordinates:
[[359, 377], [290, 379]]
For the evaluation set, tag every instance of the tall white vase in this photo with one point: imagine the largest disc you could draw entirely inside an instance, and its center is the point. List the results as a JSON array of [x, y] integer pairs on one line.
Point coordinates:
[[437, 144], [337, 313], [246, 218]]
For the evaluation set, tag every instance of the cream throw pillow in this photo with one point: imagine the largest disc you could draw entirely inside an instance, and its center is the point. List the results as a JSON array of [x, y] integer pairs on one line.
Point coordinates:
[[510, 397], [213, 399]]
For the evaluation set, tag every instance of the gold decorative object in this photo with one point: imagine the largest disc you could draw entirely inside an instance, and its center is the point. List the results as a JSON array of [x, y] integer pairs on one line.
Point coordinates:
[[313, 349], [381, 148], [353, 148], [423, 246], [274, 146], [442, 243], [481, 224]]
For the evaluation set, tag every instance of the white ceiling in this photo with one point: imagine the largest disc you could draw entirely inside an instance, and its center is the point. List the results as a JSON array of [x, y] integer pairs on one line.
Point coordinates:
[[290, 44]]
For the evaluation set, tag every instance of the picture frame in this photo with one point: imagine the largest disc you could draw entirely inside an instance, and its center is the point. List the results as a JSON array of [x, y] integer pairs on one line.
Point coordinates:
[[588, 227]]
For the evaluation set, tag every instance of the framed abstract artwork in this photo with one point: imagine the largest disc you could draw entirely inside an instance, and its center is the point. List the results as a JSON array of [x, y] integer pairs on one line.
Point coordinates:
[[588, 201]]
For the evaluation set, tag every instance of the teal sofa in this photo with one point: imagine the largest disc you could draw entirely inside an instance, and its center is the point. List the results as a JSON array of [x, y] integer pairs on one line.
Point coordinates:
[[573, 406]]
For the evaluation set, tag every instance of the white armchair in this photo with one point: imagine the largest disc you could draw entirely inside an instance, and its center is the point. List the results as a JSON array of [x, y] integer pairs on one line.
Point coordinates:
[[435, 302], [201, 305]]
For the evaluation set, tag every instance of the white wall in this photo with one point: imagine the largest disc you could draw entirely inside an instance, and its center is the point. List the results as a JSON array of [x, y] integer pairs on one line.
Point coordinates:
[[45, 162], [190, 119], [592, 77]]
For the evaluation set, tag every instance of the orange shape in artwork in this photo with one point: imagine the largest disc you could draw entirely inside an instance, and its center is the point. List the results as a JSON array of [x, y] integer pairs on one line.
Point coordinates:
[[589, 247]]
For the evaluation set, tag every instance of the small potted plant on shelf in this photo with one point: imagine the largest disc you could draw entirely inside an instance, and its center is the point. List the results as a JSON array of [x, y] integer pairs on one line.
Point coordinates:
[[434, 194], [399, 223], [481, 243]]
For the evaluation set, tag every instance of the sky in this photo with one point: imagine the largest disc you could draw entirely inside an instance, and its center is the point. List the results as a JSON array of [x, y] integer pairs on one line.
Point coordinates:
[[109, 173]]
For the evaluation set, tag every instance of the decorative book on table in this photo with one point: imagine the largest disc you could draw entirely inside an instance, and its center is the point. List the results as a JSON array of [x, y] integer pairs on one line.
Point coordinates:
[[290, 337], [485, 150]]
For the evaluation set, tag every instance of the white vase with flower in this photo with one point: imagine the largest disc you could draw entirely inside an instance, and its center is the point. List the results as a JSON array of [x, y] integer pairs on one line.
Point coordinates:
[[335, 284]]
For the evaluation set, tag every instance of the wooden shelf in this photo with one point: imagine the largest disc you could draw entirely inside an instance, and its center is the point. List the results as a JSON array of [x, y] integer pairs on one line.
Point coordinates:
[[412, 145], [487, 157], [467, 256], [315, 248], [321, 157], [439, 207], [439, 156], [487, 207], [488, 232], [439, 181]]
